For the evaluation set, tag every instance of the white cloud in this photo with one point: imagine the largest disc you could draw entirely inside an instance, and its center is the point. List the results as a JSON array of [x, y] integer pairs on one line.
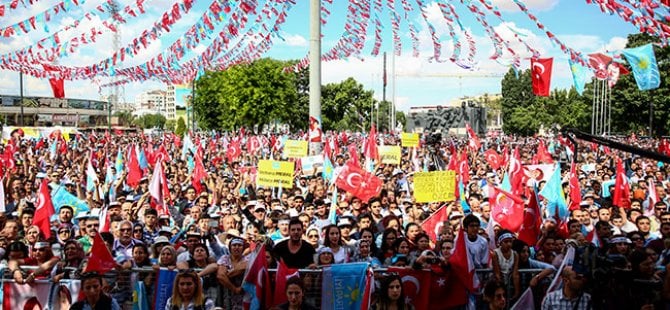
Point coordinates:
[[294, 40], [535, 5]]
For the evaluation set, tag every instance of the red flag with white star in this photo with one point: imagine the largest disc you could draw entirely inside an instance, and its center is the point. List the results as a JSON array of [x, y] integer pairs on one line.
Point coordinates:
[[506, 208]]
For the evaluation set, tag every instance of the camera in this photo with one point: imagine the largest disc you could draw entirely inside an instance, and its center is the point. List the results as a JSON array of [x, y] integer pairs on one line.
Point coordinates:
[[432, 260]]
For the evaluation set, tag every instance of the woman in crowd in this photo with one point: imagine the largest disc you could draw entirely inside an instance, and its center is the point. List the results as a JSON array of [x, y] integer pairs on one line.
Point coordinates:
[[295, 294], [230, 275], [364, 254], [391, 295], [187, 293], [32, 237], [72, 258], [63, 234], [389, 236], [525, 262], [312, 235], [167, 258], [422, 244], [43, 259], [400, 249], [200, 260], [333, 240], [94, 297], [494, 295]]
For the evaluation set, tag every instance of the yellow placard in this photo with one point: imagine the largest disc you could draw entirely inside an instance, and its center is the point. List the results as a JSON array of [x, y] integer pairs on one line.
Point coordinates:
[[390, 154], [275, 173], [409, 139], [295, 149], [434, 186]]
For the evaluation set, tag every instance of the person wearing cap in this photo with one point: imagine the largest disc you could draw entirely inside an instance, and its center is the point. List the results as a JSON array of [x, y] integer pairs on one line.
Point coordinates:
[[156, 247], [346, 225], [230, 275], [505, 262], [42, 258], [192, 238], [572, 295], [257, 218]]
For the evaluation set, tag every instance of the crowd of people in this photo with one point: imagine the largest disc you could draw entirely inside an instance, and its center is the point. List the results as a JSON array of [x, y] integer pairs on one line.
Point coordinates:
[[211, 221]]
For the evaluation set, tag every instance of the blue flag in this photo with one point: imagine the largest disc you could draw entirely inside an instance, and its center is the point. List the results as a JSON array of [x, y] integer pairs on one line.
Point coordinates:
[[332, 214], [142, 158], [506, 185], [343, 286], [578, 76], [118, 165], [327, 170], [140, 301], [645, 68], [163, 289], [553, 193], [61, 197], [461, 193]]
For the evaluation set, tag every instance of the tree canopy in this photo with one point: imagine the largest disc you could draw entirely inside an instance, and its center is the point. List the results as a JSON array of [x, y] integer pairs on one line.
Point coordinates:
[[262, 93]]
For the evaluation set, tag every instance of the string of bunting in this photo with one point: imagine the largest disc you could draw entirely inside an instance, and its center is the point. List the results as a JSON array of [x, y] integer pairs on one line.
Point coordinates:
[[30, 23], [496, 12], [13, 5]]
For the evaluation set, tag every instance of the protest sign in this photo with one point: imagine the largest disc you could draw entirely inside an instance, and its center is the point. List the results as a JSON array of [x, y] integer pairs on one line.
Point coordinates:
[[295, 149], [409, 139], [275, 173], [434, 186], [390, 154], [312, 164]]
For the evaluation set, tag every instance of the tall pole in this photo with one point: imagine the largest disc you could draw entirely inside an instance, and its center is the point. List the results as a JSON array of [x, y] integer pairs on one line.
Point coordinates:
[[193, 105], [651, 118], [393, 90], [384, 80], [21, 95], [315, 74], [109, 114]]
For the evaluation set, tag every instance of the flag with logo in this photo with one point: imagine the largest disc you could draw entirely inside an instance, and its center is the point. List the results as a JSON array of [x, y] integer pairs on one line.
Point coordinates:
[[282, 275], [645, 69], [358, 182], [578, 76], [140, 301], [256, 282], [432, 225], [506, 208], [100, 259], [163, 287], [61, 197], [26, 296], [552, 192], [343, 286], [621, 196]]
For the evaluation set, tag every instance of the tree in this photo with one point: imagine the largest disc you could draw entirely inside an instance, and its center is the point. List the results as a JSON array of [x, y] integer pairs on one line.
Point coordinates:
[[181, 127], [151, 121], [346, 106], [630, 106], [126, 118], [170, 124], [254, 94]]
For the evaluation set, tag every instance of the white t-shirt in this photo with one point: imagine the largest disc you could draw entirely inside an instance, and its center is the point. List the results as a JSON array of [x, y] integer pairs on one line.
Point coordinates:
[[479, 251]]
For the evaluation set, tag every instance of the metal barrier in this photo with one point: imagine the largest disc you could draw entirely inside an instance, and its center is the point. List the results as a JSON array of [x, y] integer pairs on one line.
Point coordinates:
[[120, 282]]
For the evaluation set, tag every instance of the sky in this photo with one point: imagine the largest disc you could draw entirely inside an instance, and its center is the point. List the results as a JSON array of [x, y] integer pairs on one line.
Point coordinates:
[[419, 81]]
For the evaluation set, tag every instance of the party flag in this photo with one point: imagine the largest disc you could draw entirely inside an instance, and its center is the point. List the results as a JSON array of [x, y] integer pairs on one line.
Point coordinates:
[[645, 68]]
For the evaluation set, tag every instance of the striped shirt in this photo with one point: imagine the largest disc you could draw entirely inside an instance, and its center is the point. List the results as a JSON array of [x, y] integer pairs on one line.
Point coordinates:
[[557, 301]]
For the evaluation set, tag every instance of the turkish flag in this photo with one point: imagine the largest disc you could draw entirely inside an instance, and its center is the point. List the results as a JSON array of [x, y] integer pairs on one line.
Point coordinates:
[[543, 155], [134, 171], [462, 265], [44, 210], [621, 196], [446, 290], [506, 208], [575, 191], [257, 276], [516, 174], [431, 226], [100, 260], [492, 158], [415, 285], [282, 275], [474, 142], [653, 194], [158, 189], [358, 182], [353, 155], [371, 150], [464, 168], [599, 62], [233, 151], [58, 87], [540, 71], [530, 229], [199, 173]]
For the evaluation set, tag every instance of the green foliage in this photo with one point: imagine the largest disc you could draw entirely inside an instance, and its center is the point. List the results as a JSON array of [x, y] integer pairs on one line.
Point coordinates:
[[126, 118], [630, 106], [249, 95], [523, 113], [181, 127], [170, 124], [346, 106], [151, 121]]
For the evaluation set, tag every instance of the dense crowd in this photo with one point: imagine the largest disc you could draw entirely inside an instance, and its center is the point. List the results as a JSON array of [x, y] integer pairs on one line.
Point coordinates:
[[211, 217]]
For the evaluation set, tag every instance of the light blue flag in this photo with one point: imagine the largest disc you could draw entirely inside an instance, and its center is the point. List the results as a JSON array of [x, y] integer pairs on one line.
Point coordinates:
[[142, 158], [553, 193], [343, 286], [461, 193], [506, 185], [578, 76], [163, 289], [118, 165], [327, 170], [140, 301], [645, 68], [61, 197], [332, 214]]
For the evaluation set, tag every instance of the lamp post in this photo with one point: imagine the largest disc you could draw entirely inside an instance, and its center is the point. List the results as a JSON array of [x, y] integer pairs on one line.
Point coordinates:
[[21, 95]]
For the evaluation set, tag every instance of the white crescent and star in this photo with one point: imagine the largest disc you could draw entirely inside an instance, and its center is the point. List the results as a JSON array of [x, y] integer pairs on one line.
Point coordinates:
[[350, 179], [413, 280], [541, 69]]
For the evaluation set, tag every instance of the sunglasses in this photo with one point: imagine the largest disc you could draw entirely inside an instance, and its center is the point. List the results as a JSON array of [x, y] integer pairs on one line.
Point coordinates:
[[137, 230], [92, 225], [124, 229], [313, 236], [64, 232]]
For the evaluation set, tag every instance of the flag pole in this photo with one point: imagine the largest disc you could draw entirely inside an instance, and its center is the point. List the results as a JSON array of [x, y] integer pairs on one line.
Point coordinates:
[[21, 95]]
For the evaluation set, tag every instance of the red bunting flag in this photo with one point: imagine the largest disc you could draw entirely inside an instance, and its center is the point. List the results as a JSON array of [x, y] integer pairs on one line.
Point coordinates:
[[44, 210], [358, 182], [540, 69]]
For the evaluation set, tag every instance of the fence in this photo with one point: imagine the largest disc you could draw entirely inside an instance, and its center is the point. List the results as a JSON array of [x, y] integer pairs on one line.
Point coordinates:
[[122, 286]]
